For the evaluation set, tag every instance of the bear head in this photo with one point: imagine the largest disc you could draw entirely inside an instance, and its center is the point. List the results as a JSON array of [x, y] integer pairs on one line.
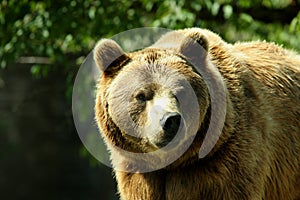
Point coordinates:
[[152, 98]]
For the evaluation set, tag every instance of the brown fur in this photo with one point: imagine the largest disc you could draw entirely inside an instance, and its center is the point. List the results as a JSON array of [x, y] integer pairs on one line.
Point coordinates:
[[258, 153]]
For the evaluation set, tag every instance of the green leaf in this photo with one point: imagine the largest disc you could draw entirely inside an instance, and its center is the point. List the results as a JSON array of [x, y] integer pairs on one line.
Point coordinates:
[[227, 10]]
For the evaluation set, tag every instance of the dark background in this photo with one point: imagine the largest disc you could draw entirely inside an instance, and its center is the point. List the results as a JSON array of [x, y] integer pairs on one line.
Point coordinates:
[[43, 43]]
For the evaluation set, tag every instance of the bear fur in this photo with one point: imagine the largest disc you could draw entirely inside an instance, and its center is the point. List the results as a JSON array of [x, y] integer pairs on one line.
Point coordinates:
[[258, 153]]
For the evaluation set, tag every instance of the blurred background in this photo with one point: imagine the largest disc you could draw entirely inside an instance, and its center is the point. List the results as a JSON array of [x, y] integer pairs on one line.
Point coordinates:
[[43, 43]]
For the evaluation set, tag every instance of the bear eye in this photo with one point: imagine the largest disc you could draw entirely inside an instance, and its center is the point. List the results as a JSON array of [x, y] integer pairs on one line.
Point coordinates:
[[141, 97]]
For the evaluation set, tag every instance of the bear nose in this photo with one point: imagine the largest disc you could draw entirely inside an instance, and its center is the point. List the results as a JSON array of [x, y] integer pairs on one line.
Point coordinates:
[[171, 122]]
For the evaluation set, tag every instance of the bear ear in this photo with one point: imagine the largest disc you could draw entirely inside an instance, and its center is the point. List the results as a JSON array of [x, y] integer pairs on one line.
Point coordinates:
[[193, 45], [109, 56], [194, 48]]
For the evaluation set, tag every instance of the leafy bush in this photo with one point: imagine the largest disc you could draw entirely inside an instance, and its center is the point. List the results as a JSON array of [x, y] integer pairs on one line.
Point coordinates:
[[51, 31]]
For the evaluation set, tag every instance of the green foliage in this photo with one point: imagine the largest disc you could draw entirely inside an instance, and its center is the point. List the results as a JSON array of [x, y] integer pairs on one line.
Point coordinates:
[[58, 29], [295, 25]]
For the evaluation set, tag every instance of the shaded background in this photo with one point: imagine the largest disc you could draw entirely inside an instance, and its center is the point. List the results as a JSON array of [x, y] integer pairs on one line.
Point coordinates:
[[43, 43]]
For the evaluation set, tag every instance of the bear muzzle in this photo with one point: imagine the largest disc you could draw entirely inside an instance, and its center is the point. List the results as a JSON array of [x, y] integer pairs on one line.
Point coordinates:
[[170, 124]]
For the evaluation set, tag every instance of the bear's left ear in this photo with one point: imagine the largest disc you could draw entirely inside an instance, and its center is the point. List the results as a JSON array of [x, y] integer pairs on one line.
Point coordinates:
[[109, 56], [194, 47], [192, 44]]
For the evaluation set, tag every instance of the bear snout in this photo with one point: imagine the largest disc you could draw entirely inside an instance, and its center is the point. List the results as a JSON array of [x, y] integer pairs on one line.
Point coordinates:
[[170, 124]]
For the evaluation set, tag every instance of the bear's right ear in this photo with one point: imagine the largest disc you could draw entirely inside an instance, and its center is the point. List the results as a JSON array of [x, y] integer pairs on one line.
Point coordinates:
[[109, 56]]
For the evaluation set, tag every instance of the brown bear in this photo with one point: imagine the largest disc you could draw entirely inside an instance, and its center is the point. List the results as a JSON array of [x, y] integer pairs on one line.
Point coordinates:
[[148, 97]]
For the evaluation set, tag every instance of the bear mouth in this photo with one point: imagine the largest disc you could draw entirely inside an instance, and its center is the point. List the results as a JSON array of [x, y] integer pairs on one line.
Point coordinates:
[[164, 141], [170, 135]]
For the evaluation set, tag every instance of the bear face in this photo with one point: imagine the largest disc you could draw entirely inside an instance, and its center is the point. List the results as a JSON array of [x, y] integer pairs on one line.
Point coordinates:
[[152, 95]]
